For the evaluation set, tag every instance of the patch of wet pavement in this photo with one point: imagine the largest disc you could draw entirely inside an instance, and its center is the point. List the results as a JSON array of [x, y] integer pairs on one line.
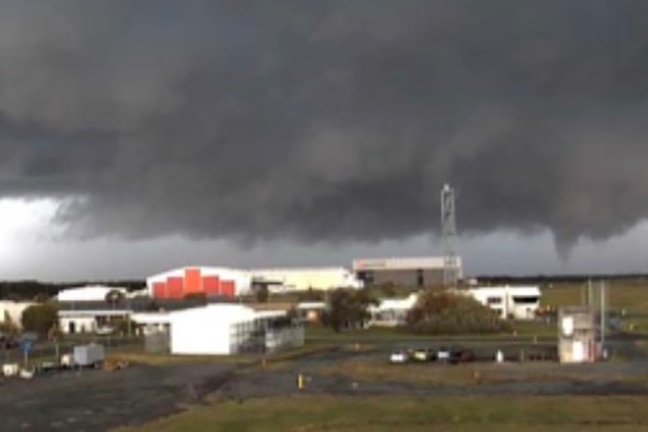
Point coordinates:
[[96, 400]]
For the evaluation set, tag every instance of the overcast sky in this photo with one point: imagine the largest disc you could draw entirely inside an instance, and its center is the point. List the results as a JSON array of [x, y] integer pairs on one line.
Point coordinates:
[[160, 133]]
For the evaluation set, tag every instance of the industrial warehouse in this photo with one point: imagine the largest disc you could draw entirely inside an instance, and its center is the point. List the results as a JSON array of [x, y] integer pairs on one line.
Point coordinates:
[[228, 282], [409, 272]]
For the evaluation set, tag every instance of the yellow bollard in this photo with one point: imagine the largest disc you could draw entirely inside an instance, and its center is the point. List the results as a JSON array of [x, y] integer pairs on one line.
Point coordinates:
[[300, 382]]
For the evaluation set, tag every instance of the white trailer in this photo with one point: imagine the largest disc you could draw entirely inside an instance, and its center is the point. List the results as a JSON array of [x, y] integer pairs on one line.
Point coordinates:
[[89, 355]]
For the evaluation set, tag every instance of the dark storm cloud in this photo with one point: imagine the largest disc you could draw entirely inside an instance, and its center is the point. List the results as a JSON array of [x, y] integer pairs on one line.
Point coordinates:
[[326, 120]]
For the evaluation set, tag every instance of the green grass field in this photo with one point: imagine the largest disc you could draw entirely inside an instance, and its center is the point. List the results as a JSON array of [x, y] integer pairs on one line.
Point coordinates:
[[522, 331], [315, 414], [629, 295]]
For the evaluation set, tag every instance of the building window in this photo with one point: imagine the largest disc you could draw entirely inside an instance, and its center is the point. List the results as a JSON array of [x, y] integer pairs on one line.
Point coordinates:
[[525, 300], [494, 300], [366, 276]]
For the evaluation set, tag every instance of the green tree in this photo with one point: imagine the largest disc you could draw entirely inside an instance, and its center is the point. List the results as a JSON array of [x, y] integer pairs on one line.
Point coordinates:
[[39, 318], [122, 326], [440, 312], [41, 298], [7, 326], [310, 295], [262, 293], [198, 297], [115, 297], [348, 307]]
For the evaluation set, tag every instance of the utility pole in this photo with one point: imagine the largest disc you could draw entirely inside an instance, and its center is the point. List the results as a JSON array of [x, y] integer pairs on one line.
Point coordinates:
[[603, 288], [449, 235]]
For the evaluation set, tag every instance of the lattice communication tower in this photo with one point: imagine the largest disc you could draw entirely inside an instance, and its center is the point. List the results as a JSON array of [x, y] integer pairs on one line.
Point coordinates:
[[449, 236]]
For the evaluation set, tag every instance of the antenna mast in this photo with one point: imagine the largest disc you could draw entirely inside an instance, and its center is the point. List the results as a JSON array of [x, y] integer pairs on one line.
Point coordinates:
[[449, 235]]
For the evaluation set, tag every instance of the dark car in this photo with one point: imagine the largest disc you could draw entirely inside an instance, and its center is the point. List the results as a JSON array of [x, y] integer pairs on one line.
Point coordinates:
[[461, 356]]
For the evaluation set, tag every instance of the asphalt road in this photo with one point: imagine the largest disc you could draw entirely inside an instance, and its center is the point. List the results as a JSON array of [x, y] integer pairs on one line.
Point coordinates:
[[93, 400]]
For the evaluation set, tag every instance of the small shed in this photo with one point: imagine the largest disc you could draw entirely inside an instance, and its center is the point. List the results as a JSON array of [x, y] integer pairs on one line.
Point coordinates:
[[577, 334]]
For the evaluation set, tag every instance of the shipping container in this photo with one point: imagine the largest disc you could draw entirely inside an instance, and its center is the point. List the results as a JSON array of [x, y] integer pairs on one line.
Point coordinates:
[[89, 355]]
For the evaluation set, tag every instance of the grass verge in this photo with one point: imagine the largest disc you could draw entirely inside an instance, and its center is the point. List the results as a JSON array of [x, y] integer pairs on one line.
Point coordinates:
[[315, 414], [242, 360], [462, 375]]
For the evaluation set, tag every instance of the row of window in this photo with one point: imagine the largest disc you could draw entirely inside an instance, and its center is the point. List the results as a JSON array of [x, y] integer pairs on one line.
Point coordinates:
[[517, 300]]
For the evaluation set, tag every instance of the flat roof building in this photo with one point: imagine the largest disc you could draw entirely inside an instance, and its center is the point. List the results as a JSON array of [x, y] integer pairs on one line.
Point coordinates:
[[305, 278], [409, 272]]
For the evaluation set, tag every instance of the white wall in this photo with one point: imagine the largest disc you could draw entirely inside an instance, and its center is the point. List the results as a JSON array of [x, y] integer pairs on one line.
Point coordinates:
[[206, 330], [506, 304], [88, 293], [301, 279], [217, 329], [82, 324], [189, 335]]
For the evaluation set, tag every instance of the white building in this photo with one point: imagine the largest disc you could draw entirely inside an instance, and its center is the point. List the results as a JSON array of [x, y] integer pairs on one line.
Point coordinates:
[[517, 302], [391, 312], [210, 281], [87, 320], [302, 279], [222, 329], [152, 322], [87, 293]]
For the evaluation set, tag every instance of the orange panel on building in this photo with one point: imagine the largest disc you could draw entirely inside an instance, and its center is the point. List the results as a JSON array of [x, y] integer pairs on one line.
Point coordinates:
[[228, 288], [175, 287], [211, 285], [192, 281], [159, 290]]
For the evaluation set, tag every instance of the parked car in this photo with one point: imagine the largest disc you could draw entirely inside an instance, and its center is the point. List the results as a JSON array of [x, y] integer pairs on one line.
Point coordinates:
[[423, 355], [399, 357], [105, 330], [462, 356], [444, 355]]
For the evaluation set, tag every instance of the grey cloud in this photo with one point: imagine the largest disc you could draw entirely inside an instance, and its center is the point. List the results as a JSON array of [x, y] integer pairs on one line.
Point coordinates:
[[326, 121]]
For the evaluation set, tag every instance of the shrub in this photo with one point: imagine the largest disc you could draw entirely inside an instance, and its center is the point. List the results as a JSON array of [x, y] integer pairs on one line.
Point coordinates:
[[39, 318], [348, 308], [443, 313]]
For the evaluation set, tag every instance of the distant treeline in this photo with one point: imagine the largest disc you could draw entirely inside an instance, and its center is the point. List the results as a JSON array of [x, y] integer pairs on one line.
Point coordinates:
[[31, 290], [547, 279]]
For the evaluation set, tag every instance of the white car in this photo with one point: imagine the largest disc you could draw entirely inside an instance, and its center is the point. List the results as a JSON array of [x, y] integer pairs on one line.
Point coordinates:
[[105, 330], [398, 357], [443, 355]]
